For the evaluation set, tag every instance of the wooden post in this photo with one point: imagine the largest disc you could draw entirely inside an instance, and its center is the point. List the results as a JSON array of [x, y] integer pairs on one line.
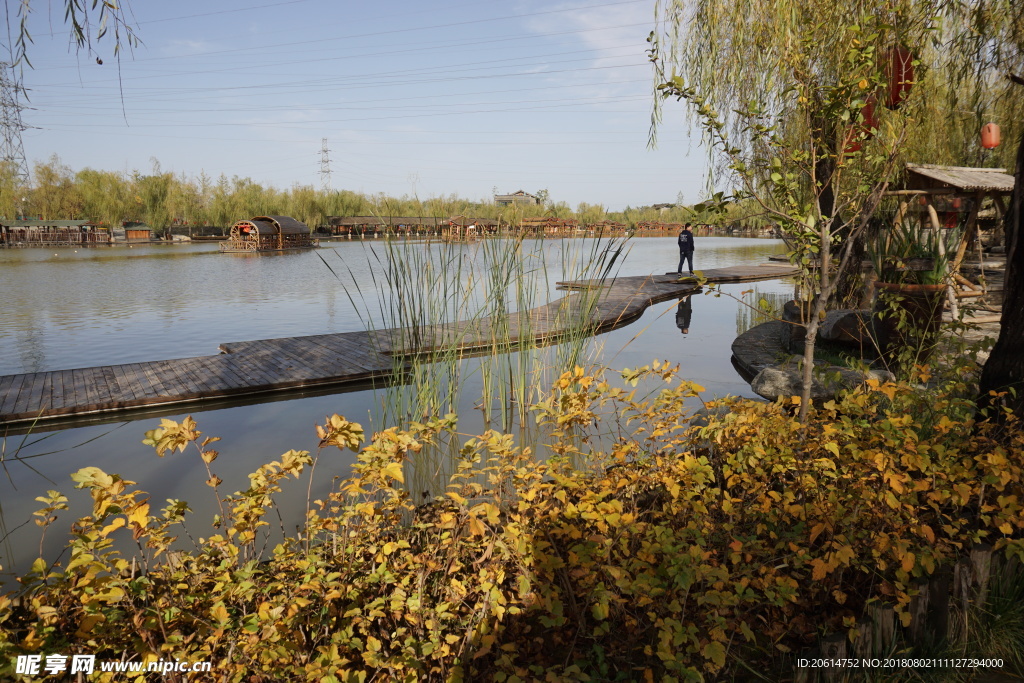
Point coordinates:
[[981, 566], [883, 619], [972, 227], [919, 612], [863, 647], [938, 608], [954, 307], [834, 647]]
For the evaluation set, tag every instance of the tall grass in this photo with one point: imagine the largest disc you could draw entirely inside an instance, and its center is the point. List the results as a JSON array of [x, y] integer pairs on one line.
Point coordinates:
[[433, 304]]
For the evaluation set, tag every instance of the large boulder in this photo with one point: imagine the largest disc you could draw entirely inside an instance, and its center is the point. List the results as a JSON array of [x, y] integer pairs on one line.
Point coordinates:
[[845, 326], [786, 379]]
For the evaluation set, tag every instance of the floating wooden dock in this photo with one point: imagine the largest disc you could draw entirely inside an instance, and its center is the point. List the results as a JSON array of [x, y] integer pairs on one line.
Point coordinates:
[[330, 360]]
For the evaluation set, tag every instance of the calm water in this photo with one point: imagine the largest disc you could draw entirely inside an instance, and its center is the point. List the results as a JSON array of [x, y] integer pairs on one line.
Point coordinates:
[[63, 309]]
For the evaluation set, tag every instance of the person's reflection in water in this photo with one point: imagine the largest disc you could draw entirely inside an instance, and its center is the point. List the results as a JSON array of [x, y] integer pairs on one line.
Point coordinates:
[[683, 313]]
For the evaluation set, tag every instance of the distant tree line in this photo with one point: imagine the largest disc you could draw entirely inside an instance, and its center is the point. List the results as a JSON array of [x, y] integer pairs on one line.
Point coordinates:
[[162, 200]]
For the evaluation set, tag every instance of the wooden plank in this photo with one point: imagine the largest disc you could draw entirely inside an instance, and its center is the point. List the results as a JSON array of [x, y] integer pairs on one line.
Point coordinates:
[[292, 365], [41, 391], [181, 383], [225, 373], [78, 382], [177, 385], [199, 374], [185, 384], [250, 369], [30, 396], [112, 385], [336, 364], [208, 373], [56, 390], [142, 385], [6, 382], [358, 353], [125, 381], [10, 397], [99, 385], [68, 382], [362, 355], [93, 396], [10, 401], [156, 385]]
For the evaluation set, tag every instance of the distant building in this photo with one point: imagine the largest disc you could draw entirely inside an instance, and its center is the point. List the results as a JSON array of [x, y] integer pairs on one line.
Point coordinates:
[[51, 233], [519, 197], [134, 231]]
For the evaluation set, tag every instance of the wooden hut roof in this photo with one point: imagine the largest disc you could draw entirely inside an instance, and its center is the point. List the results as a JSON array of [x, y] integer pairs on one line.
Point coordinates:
[[355, 220], [34, 223], [479, 222], [921, 176], [288, 225], [385, 221]]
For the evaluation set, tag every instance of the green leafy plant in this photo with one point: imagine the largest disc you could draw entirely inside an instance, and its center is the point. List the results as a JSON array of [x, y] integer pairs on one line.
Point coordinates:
[[902, 254]]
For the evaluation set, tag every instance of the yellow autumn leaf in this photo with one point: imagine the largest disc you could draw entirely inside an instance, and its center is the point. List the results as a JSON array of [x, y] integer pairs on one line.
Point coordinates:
[[820, 569], [219, 613], [140, 515], [113, 526], [394, 470], [715, 651]]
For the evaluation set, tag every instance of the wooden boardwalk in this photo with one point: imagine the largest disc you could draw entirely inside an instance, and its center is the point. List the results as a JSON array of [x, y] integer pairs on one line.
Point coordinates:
[[330, 360]]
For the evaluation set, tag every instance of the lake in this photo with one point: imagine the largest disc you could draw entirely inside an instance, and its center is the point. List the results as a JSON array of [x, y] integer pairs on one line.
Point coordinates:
[[64, 308]]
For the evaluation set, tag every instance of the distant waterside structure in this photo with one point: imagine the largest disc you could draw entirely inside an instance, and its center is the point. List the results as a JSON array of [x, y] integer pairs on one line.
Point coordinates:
[[268, 233], [57, 233]]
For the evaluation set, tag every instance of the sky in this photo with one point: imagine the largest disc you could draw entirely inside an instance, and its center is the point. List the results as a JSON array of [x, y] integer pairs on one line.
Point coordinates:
[[420, 98]]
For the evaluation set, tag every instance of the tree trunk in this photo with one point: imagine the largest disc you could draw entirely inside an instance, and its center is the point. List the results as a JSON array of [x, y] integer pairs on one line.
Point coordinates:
[[1005, 366]]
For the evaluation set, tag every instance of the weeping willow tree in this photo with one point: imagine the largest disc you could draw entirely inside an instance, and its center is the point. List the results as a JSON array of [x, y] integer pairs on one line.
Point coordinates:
[[808, 108], [88, 24]]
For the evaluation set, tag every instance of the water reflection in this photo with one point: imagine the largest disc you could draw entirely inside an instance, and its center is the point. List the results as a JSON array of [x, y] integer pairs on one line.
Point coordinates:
[[684, 313]]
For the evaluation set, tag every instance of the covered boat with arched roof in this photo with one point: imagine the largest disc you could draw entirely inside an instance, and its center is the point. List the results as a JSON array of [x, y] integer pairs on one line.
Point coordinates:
[[269, 233]]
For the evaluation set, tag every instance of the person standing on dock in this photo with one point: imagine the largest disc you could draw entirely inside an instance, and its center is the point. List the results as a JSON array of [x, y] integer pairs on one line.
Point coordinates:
[[685, 242]]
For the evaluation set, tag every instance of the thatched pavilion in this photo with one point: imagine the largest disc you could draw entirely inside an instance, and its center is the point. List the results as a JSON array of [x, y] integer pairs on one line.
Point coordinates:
[[953, 191]]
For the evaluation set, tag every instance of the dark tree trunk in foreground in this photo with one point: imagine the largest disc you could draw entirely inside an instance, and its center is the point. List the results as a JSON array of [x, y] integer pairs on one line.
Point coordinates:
[[1005, 367]]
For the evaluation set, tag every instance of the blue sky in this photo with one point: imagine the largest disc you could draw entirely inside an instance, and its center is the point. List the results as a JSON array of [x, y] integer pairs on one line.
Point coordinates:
[[424, 98]]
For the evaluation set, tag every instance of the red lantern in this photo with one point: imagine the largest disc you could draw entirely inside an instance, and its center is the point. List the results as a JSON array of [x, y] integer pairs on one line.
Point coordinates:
[[868, 114], [990, 136], [865, 130], [899, 74]]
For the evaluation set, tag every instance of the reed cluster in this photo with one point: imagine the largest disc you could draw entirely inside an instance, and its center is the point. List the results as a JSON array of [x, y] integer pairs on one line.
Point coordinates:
[[487, 314]]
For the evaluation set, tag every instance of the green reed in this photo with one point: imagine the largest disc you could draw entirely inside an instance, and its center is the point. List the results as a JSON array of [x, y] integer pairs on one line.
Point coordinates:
[[436, 303]]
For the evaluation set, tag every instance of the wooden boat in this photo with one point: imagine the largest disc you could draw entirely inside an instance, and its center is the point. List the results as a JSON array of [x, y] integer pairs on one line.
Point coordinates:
[[269, 233]]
